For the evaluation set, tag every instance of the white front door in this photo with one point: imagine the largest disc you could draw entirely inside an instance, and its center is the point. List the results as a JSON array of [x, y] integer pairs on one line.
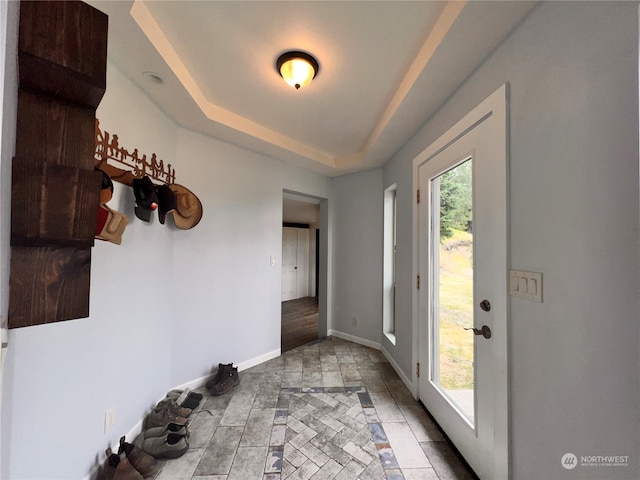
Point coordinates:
[[462, 251]]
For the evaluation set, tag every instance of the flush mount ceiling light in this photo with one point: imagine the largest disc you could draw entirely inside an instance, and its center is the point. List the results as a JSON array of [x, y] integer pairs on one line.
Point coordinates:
[[297, 68]]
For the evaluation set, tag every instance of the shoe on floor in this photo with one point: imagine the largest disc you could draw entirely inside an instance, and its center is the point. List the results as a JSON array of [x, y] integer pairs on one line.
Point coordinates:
[[221, 374], [173, 407], [227, 383], [186, 398], [162, 417], [141, 461], [118, 467], [113, 459], [171, 445], [166, 429]]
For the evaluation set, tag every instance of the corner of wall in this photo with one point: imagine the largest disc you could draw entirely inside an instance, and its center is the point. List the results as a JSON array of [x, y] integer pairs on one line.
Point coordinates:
[[9, 11]]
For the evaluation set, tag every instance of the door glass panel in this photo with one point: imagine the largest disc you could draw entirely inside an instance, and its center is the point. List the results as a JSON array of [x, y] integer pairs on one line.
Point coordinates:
[[452, 368]]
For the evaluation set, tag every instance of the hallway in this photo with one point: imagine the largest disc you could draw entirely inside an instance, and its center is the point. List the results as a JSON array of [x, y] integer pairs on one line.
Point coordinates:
[[299, 322]]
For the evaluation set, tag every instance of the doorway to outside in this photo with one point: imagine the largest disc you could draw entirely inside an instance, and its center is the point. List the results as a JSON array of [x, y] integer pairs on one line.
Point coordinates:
[[300, 270], [462, 307]]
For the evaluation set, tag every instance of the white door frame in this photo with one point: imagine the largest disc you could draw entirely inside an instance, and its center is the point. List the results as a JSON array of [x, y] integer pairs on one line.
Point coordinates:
[[324, 267], [495, 105]]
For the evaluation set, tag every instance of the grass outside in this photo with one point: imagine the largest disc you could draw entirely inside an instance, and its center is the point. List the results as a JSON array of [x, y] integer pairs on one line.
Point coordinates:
[[456, 311]]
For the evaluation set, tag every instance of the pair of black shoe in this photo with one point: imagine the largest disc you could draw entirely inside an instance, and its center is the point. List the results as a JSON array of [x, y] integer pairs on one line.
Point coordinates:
[[226, 378]]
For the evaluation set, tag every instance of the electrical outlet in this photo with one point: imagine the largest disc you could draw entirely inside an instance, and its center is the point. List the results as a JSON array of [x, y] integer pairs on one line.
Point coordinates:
[[354, 321], [109, 418]]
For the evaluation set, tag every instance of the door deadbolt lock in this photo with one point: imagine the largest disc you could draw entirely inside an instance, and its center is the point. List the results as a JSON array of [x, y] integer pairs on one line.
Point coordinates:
[[485, 305], [484, 331]]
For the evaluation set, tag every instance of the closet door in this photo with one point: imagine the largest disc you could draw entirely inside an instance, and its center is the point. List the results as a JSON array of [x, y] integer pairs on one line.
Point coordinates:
[[295, 263]]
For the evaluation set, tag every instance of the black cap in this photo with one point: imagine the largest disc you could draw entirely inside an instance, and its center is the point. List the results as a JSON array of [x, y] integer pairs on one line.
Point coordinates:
[[166, 201], [146, 198]]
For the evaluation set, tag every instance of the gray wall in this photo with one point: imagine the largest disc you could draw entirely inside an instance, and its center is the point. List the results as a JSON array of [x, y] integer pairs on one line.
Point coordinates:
[[229, 293], [357, 258], [574, 366]]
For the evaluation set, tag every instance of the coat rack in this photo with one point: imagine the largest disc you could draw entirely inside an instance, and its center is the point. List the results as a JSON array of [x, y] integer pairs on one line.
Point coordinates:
[[123, 166]]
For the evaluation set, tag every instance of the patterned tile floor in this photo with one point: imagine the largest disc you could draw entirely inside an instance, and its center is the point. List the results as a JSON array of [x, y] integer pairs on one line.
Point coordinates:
[[329, 410]]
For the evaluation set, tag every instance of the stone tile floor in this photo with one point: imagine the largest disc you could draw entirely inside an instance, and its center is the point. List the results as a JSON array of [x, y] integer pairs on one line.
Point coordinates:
[[328, 410]]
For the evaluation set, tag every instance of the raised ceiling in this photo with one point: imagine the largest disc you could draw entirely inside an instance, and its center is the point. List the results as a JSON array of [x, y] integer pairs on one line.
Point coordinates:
[[385, 68]]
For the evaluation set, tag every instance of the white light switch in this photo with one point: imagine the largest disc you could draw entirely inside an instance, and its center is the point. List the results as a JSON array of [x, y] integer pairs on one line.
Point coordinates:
[[525, 285], [513, 282], [273, 260], [522, 284]]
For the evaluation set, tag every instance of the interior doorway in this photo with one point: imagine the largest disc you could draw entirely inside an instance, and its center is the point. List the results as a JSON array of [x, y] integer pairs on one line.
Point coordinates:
[[301, 266]]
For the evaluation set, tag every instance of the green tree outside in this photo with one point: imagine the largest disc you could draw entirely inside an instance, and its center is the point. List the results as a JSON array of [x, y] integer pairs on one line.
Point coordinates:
[[456, 200]]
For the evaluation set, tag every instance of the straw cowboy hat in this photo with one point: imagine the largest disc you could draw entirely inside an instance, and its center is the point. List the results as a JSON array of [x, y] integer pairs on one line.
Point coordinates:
[[188, 208]]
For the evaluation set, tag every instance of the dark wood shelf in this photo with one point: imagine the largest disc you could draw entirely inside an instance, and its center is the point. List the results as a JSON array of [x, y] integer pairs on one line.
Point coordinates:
[[62, 64]]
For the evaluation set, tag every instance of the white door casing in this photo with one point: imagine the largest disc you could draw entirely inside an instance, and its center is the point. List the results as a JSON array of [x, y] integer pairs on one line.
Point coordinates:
[[302, 281], [482, 135]]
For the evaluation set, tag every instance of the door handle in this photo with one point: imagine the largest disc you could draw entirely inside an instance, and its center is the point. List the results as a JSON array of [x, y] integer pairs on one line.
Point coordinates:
[[484, 331]]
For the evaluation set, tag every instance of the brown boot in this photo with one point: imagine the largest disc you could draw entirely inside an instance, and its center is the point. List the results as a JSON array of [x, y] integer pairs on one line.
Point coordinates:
[[173, 407], [223, 371], [163, 417], [125, 471], [141, 461], [230, 380], [110, 465]]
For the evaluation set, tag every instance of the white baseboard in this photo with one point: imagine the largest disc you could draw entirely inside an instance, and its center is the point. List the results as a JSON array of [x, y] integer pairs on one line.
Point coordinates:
[[258, 360], [408, 383], [192, 385], [368, 343], [354, 339]]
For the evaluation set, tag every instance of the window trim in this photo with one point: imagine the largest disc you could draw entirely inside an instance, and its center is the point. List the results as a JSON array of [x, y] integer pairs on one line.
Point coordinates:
[[389, 275]]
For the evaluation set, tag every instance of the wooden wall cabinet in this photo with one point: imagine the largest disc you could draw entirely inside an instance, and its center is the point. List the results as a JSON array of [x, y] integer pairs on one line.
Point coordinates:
[[62, 54], [53, 205], [68, 41]]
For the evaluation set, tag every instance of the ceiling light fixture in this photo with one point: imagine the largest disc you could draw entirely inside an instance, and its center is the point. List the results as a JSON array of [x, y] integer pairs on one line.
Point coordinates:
[[297, 68]]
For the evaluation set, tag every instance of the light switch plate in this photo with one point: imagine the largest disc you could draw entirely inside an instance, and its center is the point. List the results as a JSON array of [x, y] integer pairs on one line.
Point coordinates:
[[525, 285], [109, 418]]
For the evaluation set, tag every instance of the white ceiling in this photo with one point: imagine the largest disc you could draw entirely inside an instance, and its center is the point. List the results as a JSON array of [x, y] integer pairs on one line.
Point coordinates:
[[385, 68]]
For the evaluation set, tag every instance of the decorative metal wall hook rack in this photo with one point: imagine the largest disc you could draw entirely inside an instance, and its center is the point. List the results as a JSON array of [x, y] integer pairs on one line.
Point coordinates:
[[123, 166]]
